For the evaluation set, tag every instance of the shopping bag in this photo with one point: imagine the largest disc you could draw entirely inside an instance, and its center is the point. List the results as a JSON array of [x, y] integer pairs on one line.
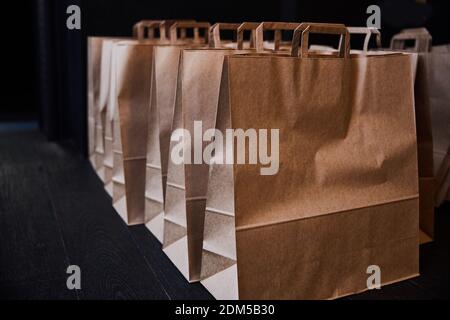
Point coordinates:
[[195, 112], [131, 122], [422, 100], [99, 51], [142, 30], [104, 85], [93, 72], [133, 63], [423, 122], [344, 200], [438, 61], [166, 61], [422, 86], [111, 109], [423, 119]]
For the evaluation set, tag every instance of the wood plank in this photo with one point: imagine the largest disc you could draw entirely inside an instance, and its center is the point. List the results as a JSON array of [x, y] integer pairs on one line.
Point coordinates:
[[96, 238], [38, 290], [55, 212], [173, 281], [31, 247]]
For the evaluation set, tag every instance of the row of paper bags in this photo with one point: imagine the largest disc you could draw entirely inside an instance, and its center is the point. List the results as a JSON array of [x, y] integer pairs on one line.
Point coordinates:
[[363, 145]]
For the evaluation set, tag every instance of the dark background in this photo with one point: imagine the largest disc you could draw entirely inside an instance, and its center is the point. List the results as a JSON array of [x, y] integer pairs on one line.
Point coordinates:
[[45, 63]]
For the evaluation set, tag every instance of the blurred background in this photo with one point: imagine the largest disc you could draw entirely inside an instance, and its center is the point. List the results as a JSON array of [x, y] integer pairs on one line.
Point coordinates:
[[46, 62]]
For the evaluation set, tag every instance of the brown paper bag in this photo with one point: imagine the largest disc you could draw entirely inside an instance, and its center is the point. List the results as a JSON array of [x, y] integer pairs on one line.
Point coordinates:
[[105, 78], [133, 67], [108, 111], [423, 123], [94, 60], [133, 91], [438, 61], [165, 72], [346, 193], [99, 77], [134, 71], [142, 30], [166, 61], [422, 40], [103, 144], [196, 100], [98, 82], [111, 110], [422, 107]]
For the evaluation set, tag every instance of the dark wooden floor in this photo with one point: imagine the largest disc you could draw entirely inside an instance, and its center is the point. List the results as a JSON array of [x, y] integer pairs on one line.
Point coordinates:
[[55, 213]]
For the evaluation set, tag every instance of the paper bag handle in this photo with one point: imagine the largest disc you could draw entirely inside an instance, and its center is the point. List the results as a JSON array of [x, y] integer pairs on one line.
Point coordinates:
[[139, 27], [214, 33], [421, 36], [247, 26], [169, 23], [184, 25], [277, 27], [150, 25], [300, 41], [368, 31]]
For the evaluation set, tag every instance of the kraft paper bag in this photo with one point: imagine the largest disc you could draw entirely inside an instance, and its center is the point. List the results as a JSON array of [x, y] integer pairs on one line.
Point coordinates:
[[141, 31], [98, 82], [345, 196], [423, 106], [99, 70], [186, 184], [438, 61], [133, 67], [423, 122], [196, 102], [99, 77], [422, 41], [93, 72], [133, 89], [166, 61], [109, 113], [101, 145], [105, 77]]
